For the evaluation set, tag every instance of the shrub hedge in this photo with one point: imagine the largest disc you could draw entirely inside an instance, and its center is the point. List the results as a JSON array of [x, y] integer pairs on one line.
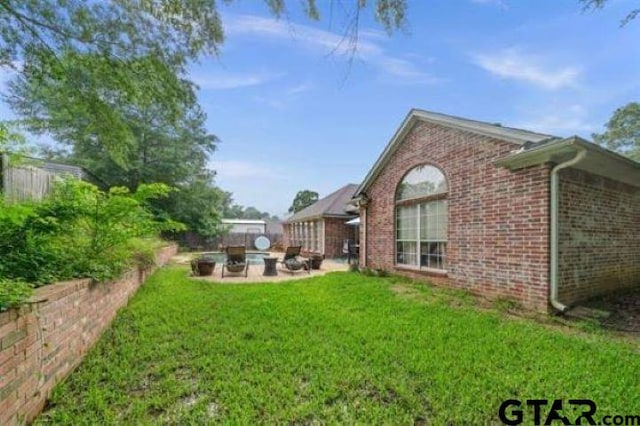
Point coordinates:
[[78, 231]]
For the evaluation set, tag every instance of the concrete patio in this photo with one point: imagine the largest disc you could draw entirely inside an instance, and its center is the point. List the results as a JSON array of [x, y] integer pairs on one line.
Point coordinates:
[[256, 270]]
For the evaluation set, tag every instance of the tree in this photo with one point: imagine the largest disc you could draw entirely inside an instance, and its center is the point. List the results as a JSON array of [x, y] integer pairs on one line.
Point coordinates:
[[11, 141], [61, 102], [231, 210], [166, 143], [42, 34], [623, 131], [303, 199], [599, 4], [177, 31]]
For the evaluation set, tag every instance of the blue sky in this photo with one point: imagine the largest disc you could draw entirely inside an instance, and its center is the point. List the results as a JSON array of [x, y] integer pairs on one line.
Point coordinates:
[[292, 114]]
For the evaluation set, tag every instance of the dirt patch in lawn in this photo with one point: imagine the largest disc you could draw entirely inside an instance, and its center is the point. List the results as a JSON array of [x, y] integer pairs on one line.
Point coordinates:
[[622, 310]]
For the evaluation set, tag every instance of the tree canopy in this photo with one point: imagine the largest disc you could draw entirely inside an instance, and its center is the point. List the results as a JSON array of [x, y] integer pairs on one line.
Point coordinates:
[[166, 143], [623, 131], [176, 31], [303, 199], [232, 210]]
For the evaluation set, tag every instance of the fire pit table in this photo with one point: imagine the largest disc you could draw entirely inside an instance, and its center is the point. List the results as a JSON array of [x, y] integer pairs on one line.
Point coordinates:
[[270, 267]]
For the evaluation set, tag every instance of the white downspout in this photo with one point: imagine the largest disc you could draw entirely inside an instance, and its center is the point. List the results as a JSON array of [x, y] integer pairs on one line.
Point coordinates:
[[363, 204], [553, 281], [363, 244]]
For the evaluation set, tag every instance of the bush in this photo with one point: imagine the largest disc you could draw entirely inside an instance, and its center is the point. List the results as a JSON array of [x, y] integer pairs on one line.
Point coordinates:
[[13, 293], [78, 232]]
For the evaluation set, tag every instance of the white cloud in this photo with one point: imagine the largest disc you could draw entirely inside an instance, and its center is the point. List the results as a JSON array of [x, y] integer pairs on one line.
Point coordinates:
[[226, 81], [534, 69], [561, 121], [367, 48], [500, 3], [232, 169], [299, 88], [281, 98], [408, 72]]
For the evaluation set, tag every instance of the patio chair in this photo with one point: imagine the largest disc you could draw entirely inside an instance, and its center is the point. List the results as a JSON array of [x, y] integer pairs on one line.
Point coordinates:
[[236, 261], [353, 252], [292, 262]]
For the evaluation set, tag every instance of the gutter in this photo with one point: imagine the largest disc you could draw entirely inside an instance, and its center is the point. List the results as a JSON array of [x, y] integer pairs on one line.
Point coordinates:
[[553, 284], [363, 204]]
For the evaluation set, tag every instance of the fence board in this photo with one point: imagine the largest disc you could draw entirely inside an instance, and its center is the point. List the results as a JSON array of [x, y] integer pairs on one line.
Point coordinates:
[[26, 183]]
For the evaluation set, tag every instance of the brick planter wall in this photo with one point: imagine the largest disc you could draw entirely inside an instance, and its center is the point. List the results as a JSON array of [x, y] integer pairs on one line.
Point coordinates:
[[41, 343], [599, 241], [498, 238]]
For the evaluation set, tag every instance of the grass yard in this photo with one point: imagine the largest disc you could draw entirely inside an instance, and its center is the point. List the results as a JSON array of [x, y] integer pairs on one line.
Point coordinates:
[[339, 348]]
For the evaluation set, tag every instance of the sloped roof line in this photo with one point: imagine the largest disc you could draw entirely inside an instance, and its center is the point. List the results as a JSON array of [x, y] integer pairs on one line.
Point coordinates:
[[332, 205], [509, 134]]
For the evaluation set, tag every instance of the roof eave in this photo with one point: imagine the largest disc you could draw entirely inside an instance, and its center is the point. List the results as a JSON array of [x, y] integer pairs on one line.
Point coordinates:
[[599, 161], [320, 216], [502, 133]]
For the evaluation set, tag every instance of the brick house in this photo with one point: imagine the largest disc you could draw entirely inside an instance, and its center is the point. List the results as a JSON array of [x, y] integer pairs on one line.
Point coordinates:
[[501, 212], [321, 227]]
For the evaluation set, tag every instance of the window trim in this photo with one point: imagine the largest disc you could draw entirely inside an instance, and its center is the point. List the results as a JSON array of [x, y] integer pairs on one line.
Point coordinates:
[[404, 176]]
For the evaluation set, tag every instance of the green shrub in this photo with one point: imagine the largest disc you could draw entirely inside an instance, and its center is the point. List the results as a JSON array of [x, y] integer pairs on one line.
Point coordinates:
[[78, 231], [13, 293], [144, 251]]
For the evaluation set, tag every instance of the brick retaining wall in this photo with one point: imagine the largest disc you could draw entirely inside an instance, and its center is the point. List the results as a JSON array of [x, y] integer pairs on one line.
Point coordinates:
[[42, 342]]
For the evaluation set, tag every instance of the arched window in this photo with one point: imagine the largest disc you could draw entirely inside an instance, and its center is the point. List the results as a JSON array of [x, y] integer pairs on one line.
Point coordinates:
[[421, 218]]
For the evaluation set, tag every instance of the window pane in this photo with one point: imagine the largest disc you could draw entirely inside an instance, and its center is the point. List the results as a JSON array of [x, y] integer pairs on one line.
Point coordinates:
[[422, 181], [426, 248], [432, 254], [433, 220], [407, 225], [407, 253]]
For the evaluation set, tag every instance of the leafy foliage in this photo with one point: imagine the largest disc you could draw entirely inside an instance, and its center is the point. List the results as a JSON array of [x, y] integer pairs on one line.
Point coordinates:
[[137, 46], [175, 30], [303, 199], [78, 231], [623, 131], [167, 144], [121, 129], [236, 211], [12, 142], [13, 293]]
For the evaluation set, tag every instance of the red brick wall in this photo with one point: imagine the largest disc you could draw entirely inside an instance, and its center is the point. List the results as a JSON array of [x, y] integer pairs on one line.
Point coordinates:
[[42, 342], [498, 220], [599, 236], [335, 232]]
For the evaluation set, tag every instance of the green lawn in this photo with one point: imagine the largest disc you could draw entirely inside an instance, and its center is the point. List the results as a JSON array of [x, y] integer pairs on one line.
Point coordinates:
[[338, 348]]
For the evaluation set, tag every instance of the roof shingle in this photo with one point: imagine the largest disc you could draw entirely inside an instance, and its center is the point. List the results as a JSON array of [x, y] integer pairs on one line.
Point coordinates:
[[333, 205]]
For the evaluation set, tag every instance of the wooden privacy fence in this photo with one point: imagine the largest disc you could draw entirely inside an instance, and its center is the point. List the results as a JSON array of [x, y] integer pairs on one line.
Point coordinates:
[[196, 242], [24, 182], [32, 179]]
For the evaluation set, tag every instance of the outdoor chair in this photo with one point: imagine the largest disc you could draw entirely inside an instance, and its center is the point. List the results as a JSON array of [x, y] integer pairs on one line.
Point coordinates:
[[353, 252], [292, 263], [236, 261]]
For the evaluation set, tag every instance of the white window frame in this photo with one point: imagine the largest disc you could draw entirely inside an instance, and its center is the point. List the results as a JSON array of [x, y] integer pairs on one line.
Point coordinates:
[[419, 204]]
